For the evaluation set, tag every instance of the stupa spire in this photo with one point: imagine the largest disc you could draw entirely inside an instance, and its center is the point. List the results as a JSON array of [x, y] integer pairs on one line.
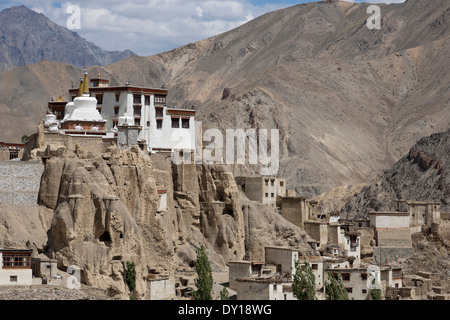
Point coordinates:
[[85, 82], [80, 89]]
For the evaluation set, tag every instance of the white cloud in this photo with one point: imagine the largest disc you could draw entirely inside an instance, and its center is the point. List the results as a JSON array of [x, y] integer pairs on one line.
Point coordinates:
[[152, 26]]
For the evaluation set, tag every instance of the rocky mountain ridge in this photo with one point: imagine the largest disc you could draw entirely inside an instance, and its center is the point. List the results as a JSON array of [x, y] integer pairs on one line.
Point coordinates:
[[28, 37]]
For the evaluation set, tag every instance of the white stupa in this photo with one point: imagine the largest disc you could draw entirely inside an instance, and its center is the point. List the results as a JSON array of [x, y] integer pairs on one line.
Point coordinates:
[[82, 113], [50, 123]]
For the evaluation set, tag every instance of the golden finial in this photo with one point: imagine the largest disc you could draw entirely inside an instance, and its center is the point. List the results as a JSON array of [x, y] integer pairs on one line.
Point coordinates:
[[98, 76], [85, 82], [80, 89]]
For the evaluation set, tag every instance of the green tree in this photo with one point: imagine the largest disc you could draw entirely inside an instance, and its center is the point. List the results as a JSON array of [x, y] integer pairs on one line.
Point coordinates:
[[304, 285], [334, 288], [375, 294], [25, 138], [204, 281], [130, 276], [224, 294]]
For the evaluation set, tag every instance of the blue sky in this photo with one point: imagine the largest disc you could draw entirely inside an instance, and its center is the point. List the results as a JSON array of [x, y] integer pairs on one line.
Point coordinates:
[[152, 26]]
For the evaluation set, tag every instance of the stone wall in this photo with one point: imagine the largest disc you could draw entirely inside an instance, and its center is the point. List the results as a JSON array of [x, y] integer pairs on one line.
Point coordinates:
[[19, 182], [293, 209], [391, 254], [394, 238]]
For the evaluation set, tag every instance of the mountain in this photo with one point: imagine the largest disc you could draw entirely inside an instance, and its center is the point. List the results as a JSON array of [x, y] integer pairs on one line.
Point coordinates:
[[28, 37], [348, 101], [421, 175]]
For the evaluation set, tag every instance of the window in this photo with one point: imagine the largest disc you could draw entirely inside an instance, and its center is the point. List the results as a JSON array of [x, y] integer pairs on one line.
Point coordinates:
[[185, 123], [349, 290], [346, 276], [137, 111], [267, 195], [117, 97], [272, 195], [160, 99], [267, 182], [272, 182], [175, 122], [364, 276], [16, 261], [99, 98], [147, 100], [364, 291], [281, 183], [159, 112], [315, 266], [137, 99], [116, 110], [12, 278], [159, 124], [13, 154], [137, 121]]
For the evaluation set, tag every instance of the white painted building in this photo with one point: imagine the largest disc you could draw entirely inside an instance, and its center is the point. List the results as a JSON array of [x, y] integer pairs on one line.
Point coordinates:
[[317, 266], [352, 246], [161, 288], [161, 127], [15, 267], [389, 220], [263, 289]]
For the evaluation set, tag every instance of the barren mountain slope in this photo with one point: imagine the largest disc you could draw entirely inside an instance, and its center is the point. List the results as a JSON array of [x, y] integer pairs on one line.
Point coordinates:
[[29, 37], [348, 101], [421, 175]]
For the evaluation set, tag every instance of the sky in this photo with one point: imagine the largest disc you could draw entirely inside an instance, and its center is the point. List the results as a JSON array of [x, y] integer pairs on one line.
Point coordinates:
[[148, 27]]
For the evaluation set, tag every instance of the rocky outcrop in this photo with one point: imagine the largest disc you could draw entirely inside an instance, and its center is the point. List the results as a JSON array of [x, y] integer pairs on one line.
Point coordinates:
[[421, 175], [105, 214]]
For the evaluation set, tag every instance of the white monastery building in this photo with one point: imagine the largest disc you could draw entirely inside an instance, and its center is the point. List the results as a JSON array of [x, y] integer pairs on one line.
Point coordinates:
[[99, 109]]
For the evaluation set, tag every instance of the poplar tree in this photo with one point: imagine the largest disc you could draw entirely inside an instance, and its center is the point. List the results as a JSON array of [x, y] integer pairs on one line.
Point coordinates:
[[204, 281], [304, 285], [334, 288], [130, 276]]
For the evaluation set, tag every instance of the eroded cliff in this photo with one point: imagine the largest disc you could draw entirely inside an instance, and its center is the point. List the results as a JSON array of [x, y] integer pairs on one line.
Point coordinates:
[[106, 213]]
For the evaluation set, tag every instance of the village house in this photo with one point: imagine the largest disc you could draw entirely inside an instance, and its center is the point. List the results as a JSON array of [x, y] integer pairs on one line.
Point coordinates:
[[420, 213], [263, 189], [273, 278], [392, 235], [15, 267], [11, 151], [356, 280]]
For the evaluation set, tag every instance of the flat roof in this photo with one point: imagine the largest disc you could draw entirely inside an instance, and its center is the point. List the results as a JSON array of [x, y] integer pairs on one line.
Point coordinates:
[[393, 213], [16, 250], [280, 248], [265, 280], [122, 88], [294, 197]]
